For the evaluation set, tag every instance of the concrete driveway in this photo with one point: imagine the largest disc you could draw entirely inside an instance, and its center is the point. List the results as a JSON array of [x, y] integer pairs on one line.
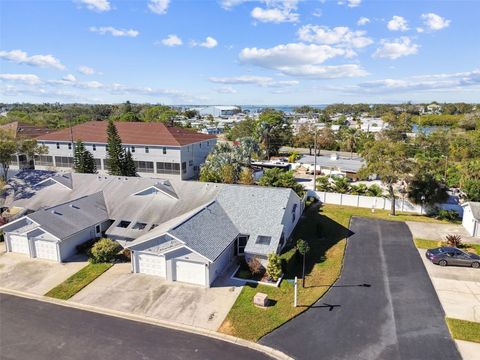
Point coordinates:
[[382, 307], [458, 289], [19, 272], [438, 231], [151, 296]]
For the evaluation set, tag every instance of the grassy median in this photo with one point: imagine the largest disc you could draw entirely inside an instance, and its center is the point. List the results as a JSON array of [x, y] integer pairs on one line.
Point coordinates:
[[464, 330], [78, 281], [430, 244]]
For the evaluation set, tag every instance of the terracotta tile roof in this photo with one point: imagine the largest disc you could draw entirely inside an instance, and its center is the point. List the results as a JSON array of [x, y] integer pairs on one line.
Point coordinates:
[[139, 133]]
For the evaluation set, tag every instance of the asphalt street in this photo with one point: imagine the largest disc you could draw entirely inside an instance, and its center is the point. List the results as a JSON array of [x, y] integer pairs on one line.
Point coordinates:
[[31, 329], [384, 305]]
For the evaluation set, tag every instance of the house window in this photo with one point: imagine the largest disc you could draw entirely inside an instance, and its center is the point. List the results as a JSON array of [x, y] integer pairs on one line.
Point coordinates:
[[263, 240], [168, 168], [58, 145], [132, 149], [190, 163], [69, 146], [184, 167], [63, 161], [144, 166], [139, 226], [97, 229], [123, 224], [241, 243], [44, 160], [147, 150], [94, 147], [164, 150], [200, 145], [98, 163]]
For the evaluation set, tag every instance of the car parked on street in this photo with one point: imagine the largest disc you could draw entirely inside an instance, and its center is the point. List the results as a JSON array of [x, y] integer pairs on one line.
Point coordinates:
[[444, 256]]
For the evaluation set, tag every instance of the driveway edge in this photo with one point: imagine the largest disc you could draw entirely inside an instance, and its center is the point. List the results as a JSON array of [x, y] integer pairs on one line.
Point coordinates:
[[275, 354]]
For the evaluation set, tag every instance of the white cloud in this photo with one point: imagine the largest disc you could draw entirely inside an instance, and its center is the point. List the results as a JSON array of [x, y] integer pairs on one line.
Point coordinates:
[[229, 4], [209, 43], [397, 48], [350, 3], [340, 35], [420, 30], [317, 13], [159, 7], [363, 21], [114, 31], [397, 23], [172, 40], [97, 5], [29, 79], [253, 80], [21, 57], [274, 15], [435, 22], [69, 78], [298, 59], [225, 90], [85, 70], [447, 82]]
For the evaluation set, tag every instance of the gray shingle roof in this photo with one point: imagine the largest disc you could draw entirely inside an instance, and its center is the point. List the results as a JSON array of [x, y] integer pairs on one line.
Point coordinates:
[[69, 218], [208, 232], [475, 206], [342, 163]]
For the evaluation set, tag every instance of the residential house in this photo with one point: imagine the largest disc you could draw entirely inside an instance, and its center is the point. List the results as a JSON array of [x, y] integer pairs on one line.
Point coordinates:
[[471, 218], [157, 150], [180, 230]]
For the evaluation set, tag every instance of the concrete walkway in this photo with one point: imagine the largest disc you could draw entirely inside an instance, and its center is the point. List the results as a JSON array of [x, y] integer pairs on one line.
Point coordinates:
[[431, 231]]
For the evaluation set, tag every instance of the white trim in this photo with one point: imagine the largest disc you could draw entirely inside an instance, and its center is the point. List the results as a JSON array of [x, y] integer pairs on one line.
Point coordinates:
[[51, 178], [159, 190], [189, 248], [14, 221]]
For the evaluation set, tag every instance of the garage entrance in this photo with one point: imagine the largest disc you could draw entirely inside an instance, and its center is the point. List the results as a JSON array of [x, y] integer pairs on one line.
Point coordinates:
[[46, 250], [151, 264], [189, 272], [19, 244]]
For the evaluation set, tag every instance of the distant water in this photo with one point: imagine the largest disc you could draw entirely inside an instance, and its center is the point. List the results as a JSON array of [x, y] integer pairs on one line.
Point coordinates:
[[427, 129], [258, 108]]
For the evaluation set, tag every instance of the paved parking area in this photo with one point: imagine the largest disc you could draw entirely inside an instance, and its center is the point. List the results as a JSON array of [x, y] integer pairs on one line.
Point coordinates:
[[119, 289], [19, 272], [458, 289], [432, 231], [383, 307]]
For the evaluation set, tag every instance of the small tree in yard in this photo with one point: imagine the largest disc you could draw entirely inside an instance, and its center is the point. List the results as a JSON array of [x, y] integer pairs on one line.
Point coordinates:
[[255, 266], [274, 267], [104, 250], [303, 248]]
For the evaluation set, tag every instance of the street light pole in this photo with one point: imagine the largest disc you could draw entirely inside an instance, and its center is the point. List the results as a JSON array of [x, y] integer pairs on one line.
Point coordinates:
[[315, 160]]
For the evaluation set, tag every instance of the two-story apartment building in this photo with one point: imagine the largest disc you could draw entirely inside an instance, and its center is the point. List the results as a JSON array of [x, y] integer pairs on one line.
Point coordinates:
[[158, 150]]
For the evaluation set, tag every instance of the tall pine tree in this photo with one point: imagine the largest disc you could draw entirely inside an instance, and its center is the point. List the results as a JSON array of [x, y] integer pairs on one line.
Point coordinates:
[[83, 161], [115, 152], [128, 166]]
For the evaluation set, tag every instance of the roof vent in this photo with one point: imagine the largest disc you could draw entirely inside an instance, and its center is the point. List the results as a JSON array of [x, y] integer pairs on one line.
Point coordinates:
[[55, 212], [74, 206]]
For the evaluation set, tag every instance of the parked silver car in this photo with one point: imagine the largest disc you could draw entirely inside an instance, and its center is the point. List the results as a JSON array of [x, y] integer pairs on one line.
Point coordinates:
[[444, 256]]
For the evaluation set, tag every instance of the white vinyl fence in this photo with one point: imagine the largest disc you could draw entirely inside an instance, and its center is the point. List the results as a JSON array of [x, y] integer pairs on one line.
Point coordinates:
[[372, 202]]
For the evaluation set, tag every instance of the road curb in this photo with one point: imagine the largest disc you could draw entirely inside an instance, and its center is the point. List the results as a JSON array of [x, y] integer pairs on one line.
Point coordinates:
[[274, 353]]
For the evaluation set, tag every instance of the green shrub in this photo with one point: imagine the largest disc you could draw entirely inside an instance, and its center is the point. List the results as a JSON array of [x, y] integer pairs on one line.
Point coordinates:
[[294, 156], [244, 274], [450, 215], [274, 267], [104, 250]]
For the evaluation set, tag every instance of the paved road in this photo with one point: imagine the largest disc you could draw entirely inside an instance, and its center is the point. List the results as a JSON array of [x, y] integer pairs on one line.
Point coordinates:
[[31, 329], [383, 307]]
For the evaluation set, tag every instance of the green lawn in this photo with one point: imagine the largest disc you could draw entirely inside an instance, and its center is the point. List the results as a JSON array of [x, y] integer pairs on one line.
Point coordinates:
[[78, 281], [464, 330], [428, 244], [323, 268]]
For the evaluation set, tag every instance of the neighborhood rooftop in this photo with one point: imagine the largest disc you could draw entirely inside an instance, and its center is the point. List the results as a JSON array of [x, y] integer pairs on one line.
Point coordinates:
[[135, 133]]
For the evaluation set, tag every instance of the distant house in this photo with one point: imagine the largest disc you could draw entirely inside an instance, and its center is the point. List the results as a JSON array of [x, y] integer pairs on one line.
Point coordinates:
[[19, 130], [179, 230], [471, 218], [157, 150], [333, 164]]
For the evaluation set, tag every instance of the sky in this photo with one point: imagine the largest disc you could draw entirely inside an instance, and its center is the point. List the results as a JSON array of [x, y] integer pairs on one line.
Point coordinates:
[[282, 52]]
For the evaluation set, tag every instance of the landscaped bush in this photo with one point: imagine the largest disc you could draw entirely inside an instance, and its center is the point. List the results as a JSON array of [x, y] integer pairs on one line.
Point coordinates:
[[294, 156], [274, 267], [244, 274], [104, 250], [255, 266], [453, 240], [450, 215]]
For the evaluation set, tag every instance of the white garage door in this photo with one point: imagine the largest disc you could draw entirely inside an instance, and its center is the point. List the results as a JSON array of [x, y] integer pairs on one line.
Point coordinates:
[[19, 244], [151, 264], [46, 250], [189, 272]]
